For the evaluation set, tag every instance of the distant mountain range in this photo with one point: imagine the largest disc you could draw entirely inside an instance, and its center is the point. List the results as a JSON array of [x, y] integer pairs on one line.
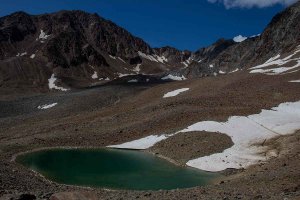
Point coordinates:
[[74, 49]]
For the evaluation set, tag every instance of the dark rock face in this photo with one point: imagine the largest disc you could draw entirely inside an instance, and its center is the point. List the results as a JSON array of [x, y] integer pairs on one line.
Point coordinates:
[[27, 197], [71, 44], [71, 30], [211, 52]]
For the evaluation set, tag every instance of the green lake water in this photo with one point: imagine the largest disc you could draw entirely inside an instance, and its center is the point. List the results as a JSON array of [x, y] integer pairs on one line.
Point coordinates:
[[114, 169]]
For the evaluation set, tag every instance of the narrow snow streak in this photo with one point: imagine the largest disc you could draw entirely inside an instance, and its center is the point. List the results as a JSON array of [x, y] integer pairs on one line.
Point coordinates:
[[236, 70], [149, 57], [295, 81], [123, 75], [113, 57], [21, 54], [121, 60], [133, 81], [173, 77], [161, 59], [47, 106], [153, 58], [175, 92], [276, 61]]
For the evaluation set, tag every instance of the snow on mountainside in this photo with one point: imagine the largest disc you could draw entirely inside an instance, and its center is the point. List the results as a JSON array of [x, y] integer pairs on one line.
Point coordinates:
[[82, 49], [277, 65], [239, 38], [281, 36]]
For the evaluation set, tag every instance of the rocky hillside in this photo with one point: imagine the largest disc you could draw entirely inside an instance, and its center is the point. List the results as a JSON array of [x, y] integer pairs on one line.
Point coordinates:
[[225, 56], [76, 47]]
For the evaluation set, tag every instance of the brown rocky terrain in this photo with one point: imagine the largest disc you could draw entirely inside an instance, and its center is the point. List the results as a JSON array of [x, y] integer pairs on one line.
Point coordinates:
[[123, 113], [187, 146]]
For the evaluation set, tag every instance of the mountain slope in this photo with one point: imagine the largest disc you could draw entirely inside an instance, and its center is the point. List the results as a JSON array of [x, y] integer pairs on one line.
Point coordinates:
[[78, 47], [281, 36], [73, 49]]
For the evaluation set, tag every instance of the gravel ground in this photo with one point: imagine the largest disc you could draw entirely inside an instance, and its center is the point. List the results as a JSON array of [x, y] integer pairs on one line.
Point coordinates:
[[187, 146], [115, 114]]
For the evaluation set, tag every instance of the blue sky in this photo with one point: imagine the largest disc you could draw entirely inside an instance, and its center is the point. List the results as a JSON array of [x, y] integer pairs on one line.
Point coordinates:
[[184, 24]]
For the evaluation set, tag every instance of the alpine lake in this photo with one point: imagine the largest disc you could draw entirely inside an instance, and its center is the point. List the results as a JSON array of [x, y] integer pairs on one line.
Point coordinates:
[[112, 169]]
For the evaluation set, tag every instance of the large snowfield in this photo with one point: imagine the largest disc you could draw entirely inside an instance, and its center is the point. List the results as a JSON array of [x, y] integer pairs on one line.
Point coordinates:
[[248, 134]]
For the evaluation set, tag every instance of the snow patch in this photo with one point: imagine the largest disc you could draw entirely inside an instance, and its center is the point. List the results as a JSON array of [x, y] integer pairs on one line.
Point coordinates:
[[276, 61], [21, 54], [32, 56], [174, 78], [149, 57], [47, 106], [43, 35], [175, 92], [273, 58], [161, 59], [121, 60], [95, 75], [154, 58], [275, 71], [211, 66], [143, 143], [133, 81], [123, 75], [239, 38], [137, 69], [246, 132], [113, 57], [187, 62], [51, 83], [295, 81], [221, 72], [236, 70]]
